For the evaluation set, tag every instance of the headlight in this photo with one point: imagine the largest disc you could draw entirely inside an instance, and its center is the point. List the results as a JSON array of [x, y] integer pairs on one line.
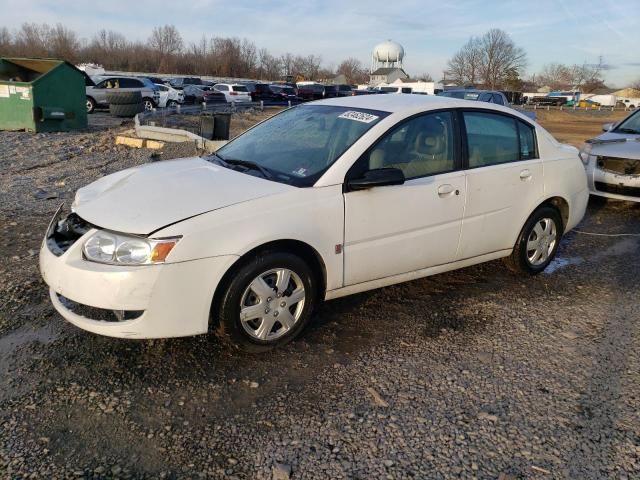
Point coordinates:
[[585, 152], [117, 249]]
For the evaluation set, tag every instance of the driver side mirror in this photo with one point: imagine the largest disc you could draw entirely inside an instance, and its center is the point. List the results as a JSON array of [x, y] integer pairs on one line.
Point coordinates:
[[378, 177], [608, 127]]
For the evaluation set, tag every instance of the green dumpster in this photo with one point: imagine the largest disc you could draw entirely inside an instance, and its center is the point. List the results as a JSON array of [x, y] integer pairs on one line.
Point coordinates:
[[42, 95]]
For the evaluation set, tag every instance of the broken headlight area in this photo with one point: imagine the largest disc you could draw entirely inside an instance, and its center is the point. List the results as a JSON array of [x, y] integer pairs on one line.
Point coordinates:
[[620, 166], [98, 314], [64, 231]]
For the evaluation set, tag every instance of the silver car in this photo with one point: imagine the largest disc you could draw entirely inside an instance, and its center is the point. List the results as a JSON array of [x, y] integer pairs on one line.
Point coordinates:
[[97, 95], [612, 160]]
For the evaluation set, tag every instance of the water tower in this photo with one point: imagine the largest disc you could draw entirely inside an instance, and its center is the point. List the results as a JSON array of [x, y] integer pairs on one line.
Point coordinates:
[[387, 54]]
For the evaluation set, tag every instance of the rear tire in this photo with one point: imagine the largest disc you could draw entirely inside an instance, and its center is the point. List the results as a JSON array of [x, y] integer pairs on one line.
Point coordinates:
[[91, 105], [537, 243], [148, 104], [266, 303]]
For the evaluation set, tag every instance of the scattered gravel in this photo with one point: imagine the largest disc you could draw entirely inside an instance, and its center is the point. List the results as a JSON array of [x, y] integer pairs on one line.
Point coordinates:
[[472, 374]]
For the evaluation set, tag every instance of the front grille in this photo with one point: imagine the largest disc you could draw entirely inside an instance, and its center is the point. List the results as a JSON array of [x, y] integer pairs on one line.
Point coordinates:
[[622, 166], [617, 189], [99, 314], [66, 232]]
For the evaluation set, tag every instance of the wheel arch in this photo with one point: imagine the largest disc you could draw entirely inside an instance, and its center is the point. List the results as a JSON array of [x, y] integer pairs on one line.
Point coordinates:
[[560, 204], [297, 247]]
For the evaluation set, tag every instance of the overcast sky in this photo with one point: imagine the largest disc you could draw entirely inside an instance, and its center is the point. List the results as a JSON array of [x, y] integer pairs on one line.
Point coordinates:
[[565, 31]]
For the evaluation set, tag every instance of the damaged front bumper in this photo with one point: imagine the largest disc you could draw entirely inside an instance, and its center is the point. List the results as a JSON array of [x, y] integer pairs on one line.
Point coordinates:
[[147, 301], [614, 178]]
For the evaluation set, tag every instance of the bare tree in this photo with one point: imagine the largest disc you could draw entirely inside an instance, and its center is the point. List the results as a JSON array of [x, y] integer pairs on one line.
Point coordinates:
[[587, 77], [501, 58], [425, 77], [166, 40], [556, 76], [32, 40], [63, 43], [464, 67], [636, 84], [353, 70], [6, 43]]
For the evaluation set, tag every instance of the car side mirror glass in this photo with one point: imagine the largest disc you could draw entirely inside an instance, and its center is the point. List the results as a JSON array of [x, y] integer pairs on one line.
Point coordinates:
[[378, 177], [607, 127]]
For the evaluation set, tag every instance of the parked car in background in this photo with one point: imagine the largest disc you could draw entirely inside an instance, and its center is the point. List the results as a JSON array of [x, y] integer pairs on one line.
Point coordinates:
[[322, 200], [612, 160], [181, 82], [394, 89], [283, 92], [547, 100], [169, 96], [310, 91], [260, 92], [200, 93], [97, 95], [233, 92], [344, 90], [330, 91], [157, 80], [488, 96]]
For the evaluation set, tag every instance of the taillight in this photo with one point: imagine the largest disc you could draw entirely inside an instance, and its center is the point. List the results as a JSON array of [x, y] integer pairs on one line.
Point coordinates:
[[233, 93]]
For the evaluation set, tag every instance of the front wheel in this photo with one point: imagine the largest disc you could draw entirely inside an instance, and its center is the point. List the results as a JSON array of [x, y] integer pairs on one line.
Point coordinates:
[[538, 242], [267, 302]]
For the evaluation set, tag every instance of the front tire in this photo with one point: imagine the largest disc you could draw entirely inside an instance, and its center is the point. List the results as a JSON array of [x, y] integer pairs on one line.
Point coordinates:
[[538, 242], [267, 302]]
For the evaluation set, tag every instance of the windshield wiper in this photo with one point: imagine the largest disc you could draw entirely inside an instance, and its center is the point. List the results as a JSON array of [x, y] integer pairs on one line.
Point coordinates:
[[249, 165], [627, 130]]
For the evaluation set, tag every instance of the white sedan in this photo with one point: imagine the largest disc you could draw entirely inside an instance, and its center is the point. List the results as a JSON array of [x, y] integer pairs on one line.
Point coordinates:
[[322, 200]]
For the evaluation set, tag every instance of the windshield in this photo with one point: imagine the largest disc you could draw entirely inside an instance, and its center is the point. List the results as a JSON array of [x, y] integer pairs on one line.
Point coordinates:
[[630, 125], [300, 144]]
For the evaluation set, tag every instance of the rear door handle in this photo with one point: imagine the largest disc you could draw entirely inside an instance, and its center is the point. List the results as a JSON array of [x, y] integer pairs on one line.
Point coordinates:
[[525, 174], [447, 190]]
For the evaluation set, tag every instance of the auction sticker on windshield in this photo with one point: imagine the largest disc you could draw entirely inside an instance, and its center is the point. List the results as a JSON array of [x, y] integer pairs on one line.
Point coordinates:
[[359, 116]]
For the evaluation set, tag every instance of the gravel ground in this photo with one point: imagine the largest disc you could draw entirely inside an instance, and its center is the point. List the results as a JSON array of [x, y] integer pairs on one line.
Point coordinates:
[[472, 374]]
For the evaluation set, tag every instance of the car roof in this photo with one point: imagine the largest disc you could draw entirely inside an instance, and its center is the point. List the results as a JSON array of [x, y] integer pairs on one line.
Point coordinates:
[[396, 103], [412, 104]]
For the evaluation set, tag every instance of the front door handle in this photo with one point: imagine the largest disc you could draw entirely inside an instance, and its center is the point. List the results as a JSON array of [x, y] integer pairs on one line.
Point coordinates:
[[525, 175], [447, 190]]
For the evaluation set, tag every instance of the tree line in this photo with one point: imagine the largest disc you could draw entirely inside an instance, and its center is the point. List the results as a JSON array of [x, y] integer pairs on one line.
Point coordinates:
[[494, 61], [165, 51]]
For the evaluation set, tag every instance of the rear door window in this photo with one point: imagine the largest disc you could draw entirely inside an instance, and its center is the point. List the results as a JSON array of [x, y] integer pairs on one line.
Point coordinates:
[[492, 139], [240, 88]]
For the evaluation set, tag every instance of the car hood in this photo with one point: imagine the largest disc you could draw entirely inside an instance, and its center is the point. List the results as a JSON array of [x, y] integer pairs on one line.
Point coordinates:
[[618, 145], [143, 199]]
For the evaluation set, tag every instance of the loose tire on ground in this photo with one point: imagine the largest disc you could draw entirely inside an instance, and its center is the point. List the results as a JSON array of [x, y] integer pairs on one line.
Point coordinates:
[[129, 110], [534, 233], [269, 302], [123, 98]]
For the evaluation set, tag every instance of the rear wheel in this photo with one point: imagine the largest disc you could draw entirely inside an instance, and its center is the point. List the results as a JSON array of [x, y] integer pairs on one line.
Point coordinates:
[[148, 104], [538, 242], [267, 302], [91, 105]]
